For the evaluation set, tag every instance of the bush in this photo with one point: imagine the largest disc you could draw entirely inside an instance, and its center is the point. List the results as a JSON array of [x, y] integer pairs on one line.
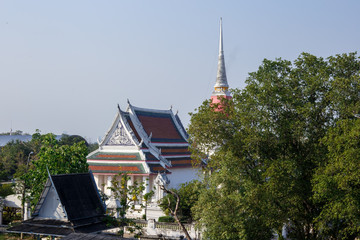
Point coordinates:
[[6, 189], [166, 219], [11, 214]]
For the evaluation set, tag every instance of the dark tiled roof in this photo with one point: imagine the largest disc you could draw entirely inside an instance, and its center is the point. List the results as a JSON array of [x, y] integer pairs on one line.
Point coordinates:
[[78, 195], [82, 236], [45, 227], [57, 227], [149, 156]]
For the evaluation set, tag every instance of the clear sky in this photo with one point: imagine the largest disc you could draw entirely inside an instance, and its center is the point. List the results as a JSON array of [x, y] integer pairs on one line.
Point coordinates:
[[65, 65]]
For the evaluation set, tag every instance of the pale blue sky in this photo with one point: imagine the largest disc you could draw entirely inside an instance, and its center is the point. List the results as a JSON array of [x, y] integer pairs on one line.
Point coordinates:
[[65, 65]]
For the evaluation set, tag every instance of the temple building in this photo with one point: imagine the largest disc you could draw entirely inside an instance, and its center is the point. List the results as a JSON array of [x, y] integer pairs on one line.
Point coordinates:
[[148, 144], [221, 88], [151, 146]]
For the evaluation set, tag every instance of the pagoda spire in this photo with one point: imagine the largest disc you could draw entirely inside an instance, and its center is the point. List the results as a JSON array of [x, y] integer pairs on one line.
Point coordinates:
[[221, 85]]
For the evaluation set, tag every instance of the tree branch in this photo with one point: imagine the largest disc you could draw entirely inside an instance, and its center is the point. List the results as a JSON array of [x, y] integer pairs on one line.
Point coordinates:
[[174, 212]]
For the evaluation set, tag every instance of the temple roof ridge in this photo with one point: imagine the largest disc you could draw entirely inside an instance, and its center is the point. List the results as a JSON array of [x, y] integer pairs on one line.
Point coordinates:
[[151, 109], [146, 138]]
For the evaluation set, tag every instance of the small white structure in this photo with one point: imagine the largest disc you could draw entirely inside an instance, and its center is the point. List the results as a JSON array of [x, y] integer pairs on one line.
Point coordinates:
[[144, 142], [11, 201]]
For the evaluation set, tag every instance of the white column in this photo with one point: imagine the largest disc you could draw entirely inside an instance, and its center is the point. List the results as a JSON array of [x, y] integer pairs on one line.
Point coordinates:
[[160, 192], [157, 192], [146, 184], [101, 185], [131, 180], [1, 213], [108, 184], [27, 210]]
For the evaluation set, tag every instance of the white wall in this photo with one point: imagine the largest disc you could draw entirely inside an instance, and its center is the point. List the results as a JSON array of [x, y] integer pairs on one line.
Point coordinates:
[[182, 175], [51, 207]]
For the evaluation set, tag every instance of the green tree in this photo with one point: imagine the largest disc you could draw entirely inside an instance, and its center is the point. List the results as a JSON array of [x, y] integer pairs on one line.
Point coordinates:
[[128, 196], [267, 143], [58, 159], [189, 194], [5, 190], [71, 139], [13, 158], [171, 203], [337, 183]]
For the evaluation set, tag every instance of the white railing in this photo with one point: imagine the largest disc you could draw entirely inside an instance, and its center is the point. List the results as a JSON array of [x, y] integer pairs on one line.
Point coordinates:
[[152, 227]]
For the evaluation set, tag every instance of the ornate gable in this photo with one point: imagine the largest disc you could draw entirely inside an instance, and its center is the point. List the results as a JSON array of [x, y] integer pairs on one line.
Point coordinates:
[[119, 137], [120, 133]]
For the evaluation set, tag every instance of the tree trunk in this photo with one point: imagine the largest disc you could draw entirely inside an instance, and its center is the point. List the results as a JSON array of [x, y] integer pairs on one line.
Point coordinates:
[[174, 212]]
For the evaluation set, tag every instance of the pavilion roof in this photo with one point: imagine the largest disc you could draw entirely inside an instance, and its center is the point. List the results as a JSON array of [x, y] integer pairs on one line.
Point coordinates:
[[77, 196]]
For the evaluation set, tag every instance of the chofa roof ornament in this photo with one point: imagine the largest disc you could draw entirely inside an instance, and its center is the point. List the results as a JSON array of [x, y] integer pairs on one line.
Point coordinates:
[[162, 179]]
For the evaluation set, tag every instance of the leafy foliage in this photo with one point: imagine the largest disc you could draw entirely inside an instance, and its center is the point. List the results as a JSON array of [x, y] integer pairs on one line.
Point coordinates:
[[13, 158], [129, 195], [271, 141], [6, 189], [189, 194], [166, 219], [337, 183]]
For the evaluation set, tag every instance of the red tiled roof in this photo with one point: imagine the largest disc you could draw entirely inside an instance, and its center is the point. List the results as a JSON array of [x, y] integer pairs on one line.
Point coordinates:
[[116, 156], [158, 169], [175, 150], [189, 161], [159, 127], [115, 168]]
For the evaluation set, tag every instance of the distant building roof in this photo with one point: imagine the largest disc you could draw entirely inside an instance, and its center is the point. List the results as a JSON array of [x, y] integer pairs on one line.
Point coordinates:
[[5, 139]]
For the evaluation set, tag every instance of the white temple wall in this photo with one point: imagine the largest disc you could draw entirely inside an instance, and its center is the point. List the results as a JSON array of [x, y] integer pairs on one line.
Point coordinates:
[[182, 175], [100, 181]]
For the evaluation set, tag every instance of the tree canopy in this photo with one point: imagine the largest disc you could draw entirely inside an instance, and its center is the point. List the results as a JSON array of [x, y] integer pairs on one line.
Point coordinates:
[[15, 155], [278, 152], [188, 194], [13, 158]]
